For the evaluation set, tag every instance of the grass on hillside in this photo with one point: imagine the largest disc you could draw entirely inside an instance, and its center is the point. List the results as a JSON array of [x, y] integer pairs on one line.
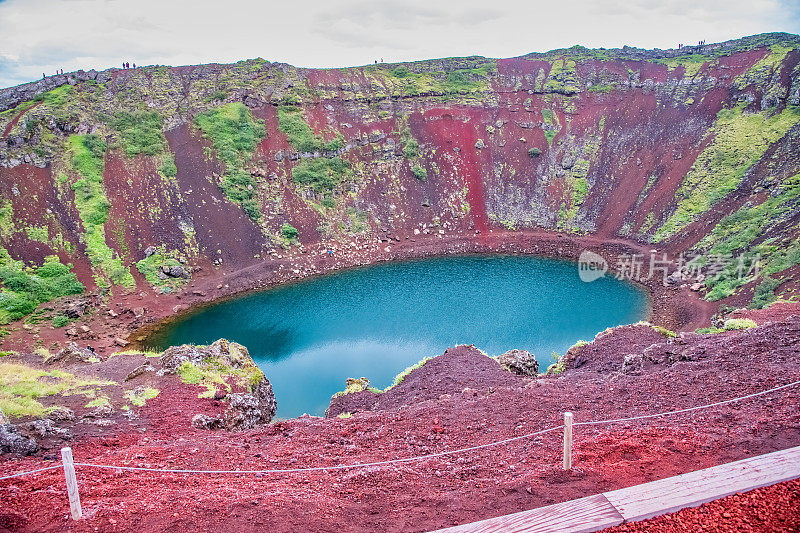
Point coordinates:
[[24, 288], [235, 136], [738, 232], [739, 141], [22, 386], [87, 154], [140, 132]]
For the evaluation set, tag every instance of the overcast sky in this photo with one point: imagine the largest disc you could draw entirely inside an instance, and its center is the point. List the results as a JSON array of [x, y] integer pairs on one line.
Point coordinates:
[[40, 36]]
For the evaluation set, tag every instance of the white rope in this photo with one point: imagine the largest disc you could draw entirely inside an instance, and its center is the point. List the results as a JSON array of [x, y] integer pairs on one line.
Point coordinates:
[[409, 459], [679, 411], [318, 468], [31, 472]]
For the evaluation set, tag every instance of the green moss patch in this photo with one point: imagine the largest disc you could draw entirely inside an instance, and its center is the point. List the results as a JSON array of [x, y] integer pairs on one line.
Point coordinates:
[[140, 132], [300, 135], [150, 267], [22, 386], [140, 395], [235, 136], [87, 154], [24, 288], [739, 141], [742, 232], [214, 374]]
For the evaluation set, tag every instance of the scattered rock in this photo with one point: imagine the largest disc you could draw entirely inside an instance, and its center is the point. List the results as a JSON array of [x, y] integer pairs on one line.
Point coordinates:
[[139, 370], [201, 421], [150, 250], [101, 411], [520, 362], [12, 442], [61, 413]]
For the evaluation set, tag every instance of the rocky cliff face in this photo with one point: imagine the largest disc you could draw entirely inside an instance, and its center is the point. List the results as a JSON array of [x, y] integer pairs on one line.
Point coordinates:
[[135, 179]]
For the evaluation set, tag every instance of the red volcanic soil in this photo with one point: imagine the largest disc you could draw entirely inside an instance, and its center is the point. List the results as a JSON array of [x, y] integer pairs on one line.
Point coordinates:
[[461, 401], [768, 509]]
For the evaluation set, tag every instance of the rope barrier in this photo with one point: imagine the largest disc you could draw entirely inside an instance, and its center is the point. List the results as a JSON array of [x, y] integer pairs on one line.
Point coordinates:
[[414, 458], [679, 411], [319, 468], [20, 474]]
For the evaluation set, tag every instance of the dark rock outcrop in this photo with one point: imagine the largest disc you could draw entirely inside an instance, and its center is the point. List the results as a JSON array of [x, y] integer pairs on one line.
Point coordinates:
[[520, 362], [12, 442], [72, 353], [247, 409]]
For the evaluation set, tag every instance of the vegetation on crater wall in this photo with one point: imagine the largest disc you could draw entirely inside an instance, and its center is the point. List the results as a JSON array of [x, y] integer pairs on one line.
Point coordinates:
[[300, 135], [743, 231], [419, 80], [563, 78], [140, 132], [322, 174], [235, 136], [24, 288], [151, 268], [739, 141], [87, 154]]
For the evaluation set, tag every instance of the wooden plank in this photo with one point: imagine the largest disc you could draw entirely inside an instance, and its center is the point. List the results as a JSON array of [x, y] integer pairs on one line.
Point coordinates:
[[695, 488], [577, 516], [649, 499]]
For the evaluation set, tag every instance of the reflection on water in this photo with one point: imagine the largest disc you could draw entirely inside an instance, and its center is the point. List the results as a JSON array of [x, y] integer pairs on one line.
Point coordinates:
[[312, 335]]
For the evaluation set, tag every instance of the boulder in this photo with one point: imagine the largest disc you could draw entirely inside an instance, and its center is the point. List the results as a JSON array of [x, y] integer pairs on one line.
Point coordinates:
[[520, 362], [77, 308], [174, 271], [248, 410], [221, 350], [120, 342], [12, 442], [72, 353], [356, 384], [47, 429], [150, 250], [632, 364], [139, 370]]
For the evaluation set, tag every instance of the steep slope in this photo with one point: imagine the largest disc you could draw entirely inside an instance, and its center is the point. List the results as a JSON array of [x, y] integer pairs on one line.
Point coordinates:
[[141, 178]]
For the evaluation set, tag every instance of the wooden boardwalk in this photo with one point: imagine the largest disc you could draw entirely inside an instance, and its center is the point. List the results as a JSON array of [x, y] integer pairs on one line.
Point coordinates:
[[649, 499]]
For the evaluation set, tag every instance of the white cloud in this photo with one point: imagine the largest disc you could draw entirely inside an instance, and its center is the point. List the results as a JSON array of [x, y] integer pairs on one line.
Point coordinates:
[[39, 36]]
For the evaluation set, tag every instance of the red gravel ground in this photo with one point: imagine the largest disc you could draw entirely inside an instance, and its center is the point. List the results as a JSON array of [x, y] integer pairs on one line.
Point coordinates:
[[473, 407], [768, 509]]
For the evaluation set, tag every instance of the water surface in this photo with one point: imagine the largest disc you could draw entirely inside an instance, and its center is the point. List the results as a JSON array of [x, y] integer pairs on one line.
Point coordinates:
[[310, 336]]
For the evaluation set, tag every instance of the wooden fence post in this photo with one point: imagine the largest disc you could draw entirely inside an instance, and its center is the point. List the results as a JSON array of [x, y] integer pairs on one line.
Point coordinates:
[[72, 483], [567, 441]]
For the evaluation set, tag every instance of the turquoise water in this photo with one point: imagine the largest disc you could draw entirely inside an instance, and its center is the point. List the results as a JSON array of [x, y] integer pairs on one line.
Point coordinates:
[[310, 336]]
